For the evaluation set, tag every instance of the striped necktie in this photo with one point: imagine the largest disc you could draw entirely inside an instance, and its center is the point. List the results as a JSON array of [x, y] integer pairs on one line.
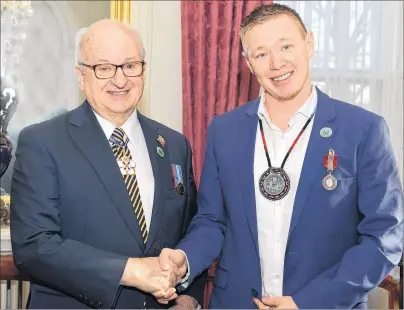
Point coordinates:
[[119, 144]]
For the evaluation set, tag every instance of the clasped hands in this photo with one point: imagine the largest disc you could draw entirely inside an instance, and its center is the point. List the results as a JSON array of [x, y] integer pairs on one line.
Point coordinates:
[[157, 275]]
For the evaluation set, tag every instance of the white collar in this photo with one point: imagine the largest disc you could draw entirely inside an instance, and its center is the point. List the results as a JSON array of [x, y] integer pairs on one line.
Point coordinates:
[[306, 109], [130, 127]]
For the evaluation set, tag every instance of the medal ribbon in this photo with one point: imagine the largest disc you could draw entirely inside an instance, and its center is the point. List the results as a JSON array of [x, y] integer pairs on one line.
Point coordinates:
[[331, 161], [291, 147]]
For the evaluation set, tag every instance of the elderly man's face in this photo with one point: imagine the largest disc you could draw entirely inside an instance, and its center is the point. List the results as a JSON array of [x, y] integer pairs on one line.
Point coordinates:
[[115, 97]]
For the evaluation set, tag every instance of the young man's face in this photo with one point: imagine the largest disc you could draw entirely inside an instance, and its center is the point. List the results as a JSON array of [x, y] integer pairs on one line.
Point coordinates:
[[278, 53]]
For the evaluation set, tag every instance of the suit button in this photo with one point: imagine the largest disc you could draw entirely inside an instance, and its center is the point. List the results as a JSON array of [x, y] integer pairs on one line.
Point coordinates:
[[98, 304], [91, 303], [254, 293], [85, 298], [81, 296]]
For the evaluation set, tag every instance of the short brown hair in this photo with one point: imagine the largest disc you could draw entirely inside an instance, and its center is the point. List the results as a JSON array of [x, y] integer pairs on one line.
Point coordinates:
[[267, 12]]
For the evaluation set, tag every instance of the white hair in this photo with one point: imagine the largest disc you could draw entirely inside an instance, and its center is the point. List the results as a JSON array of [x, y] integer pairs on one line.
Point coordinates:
[[78, 44]]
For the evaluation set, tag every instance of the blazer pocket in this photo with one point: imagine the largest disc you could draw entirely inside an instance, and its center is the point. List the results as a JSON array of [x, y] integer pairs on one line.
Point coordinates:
[[345, 182], [221, 277], [344, 178], [172, 193]]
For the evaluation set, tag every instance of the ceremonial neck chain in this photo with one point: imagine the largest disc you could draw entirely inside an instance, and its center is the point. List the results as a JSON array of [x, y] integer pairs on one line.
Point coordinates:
[[274, 183]]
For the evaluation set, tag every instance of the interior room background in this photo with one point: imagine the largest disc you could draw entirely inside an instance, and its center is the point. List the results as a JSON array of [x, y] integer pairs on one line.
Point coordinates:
[[194, 65]]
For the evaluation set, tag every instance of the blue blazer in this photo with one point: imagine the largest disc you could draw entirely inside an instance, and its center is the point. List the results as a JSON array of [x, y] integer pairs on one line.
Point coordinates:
[[341, 243], [72, 223]]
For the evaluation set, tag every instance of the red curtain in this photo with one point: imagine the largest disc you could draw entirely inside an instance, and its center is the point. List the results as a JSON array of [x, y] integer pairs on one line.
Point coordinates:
[[214, 74], [215, 77]]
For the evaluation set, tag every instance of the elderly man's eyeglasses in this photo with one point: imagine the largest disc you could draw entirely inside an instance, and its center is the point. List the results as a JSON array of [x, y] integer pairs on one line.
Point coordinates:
[[108, 71]]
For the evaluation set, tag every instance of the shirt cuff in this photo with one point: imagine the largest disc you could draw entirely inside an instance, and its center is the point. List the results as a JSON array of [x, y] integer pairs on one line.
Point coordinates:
[[185, 280]]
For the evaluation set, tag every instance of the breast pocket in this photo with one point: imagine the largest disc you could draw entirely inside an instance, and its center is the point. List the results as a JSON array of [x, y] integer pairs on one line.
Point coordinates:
[[334, 206], [172, 193], [345, 186]]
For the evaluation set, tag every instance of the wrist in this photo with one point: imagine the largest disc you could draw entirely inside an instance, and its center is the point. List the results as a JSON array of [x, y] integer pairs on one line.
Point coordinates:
[[131, 272]]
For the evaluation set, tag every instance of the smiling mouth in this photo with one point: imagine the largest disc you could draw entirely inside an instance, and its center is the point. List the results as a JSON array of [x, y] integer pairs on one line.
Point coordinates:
[[118, 93], [282, 77]]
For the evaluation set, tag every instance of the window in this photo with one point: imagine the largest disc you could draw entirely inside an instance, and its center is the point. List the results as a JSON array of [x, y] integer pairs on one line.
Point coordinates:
[[359, 56]]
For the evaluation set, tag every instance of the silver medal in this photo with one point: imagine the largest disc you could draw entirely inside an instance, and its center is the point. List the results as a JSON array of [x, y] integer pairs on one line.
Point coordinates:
[[330, 163], [329, 182], [274, 184]]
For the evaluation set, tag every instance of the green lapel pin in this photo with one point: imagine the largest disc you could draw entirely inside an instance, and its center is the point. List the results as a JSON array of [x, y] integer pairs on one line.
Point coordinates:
[[160, 151], [326, 132]]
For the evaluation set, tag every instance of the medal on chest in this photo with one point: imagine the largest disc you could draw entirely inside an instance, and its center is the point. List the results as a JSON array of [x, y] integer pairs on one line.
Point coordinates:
[[330, 163], [126, 165], [274, 183]]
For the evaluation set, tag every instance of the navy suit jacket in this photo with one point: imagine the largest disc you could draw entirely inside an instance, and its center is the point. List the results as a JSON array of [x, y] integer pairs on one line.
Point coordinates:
[[72, 223], [341, 243]]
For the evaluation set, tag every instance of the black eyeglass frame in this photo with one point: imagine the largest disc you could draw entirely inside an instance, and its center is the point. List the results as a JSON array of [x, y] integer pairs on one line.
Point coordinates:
[[94, 67]]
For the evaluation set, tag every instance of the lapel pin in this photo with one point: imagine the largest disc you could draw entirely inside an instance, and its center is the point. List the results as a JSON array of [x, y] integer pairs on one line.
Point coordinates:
[[254, 293], [160, 151], [330, 163], [326, 132], [161, 140]]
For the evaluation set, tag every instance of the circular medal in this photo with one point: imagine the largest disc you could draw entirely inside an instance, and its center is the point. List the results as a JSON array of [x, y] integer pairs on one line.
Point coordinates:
[[180, 189], [329, 182], [274, 183]]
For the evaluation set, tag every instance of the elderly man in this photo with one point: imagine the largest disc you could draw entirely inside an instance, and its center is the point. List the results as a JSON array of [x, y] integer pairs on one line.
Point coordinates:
[[100, 190]]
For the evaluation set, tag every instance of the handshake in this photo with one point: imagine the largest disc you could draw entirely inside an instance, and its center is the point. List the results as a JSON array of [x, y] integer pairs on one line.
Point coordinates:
[[157, 275]]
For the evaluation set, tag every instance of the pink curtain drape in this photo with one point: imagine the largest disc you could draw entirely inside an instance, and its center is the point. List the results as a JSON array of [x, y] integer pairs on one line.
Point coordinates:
[[214, 74]]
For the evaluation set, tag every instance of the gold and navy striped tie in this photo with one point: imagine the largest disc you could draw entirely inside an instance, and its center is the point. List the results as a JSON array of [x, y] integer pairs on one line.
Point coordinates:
[[121, 151]]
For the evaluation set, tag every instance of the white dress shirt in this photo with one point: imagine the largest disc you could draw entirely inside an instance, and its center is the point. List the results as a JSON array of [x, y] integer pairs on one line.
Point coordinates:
[[140, 155], [273, 217]]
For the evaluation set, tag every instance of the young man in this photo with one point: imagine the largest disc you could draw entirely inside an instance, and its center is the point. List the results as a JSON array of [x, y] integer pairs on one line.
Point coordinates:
[[300, 196]]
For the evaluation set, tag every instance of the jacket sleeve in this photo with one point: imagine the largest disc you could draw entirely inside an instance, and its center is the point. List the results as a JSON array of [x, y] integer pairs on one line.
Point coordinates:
[[39, 249], [197, 287], [205, 236], [380, 243]]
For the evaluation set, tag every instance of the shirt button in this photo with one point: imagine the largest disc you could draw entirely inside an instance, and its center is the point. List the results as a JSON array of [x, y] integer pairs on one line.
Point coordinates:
[[277, 276]]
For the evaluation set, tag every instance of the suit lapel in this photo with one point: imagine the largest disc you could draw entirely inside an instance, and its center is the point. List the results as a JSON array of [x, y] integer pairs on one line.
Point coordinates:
[[161, 173], [247, 132], [90, 139], [316, 149]]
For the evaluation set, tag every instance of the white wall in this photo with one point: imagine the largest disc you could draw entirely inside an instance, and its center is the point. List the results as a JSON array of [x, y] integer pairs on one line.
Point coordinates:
[[159, 23]]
